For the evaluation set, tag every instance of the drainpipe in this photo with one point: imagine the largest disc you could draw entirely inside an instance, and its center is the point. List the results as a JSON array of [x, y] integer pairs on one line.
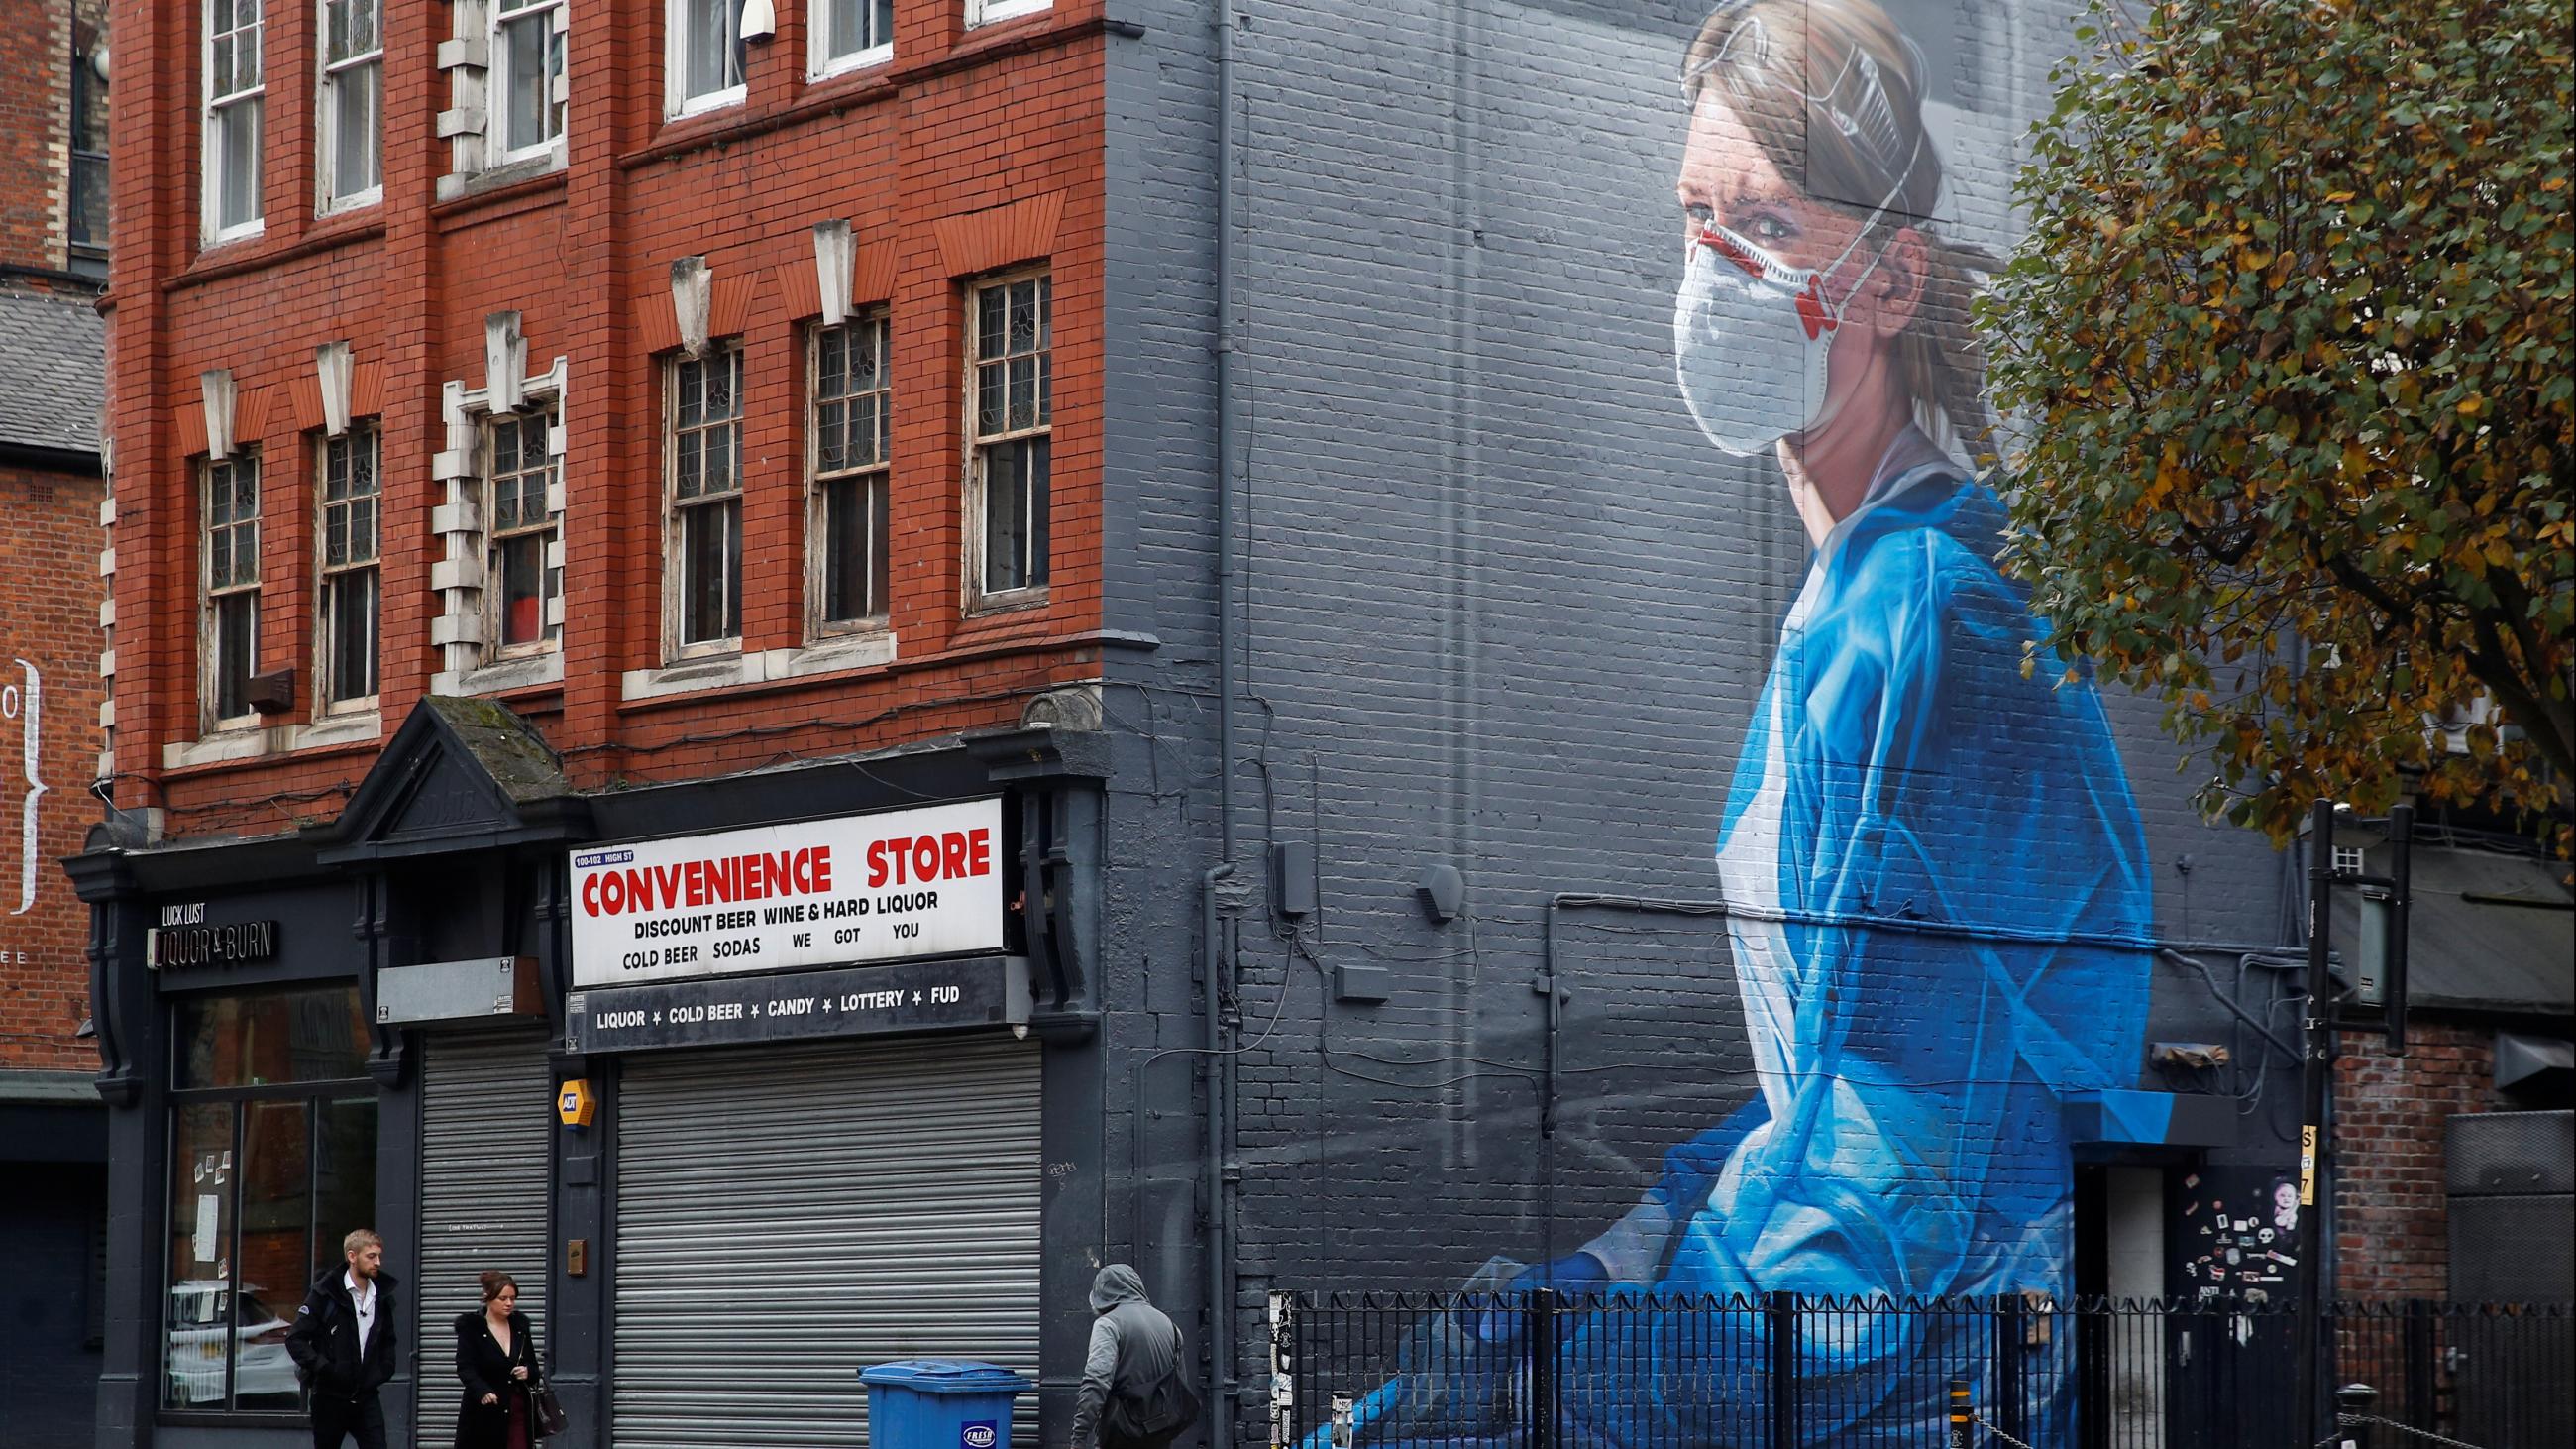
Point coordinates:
[[1222, 1170], [1217, 1167]]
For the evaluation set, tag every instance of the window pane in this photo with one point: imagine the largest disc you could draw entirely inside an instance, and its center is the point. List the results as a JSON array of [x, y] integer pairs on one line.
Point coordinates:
[[555, 41], [724, 381], [353, 130], [867, 431], [89, 200], [523, 608], [276, 1248], [1014, 493], [352, 606], [238, 128], [844, 29], [201, 1231], [692, 463], [236, 647], [269, 1038], [831, 437], [1040, 452], [990, 307], [1023, 372], [344, 1176], [1024, 317], [989, 389], [722, 447], [831, 361], [529, 102], [854, 531], [713, 54], [710, 560]]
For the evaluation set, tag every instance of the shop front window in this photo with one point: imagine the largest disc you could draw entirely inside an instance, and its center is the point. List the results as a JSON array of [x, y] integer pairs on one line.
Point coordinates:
[[272, 1160]]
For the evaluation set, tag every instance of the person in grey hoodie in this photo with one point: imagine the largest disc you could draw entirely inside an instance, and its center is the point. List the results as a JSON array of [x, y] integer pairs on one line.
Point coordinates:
[[1132, 1396]]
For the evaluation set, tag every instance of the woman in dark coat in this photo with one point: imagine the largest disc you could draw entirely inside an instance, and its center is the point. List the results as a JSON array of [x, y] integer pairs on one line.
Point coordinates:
[[496, 1356]]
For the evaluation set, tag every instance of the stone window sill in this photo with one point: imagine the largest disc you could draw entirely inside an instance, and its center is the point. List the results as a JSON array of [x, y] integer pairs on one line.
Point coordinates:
[[260, 743], [762, 666]]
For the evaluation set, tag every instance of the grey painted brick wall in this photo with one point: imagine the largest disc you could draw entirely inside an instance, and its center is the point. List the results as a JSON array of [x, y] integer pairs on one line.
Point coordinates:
[[1503, 608]]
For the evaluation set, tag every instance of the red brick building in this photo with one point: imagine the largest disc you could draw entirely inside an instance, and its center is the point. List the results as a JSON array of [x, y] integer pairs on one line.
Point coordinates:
[[53, 1136], [961, 155], [2453, 1162], [532, 413]]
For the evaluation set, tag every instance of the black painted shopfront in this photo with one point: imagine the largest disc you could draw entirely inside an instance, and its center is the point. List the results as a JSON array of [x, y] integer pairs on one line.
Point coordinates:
[[374, 1022]]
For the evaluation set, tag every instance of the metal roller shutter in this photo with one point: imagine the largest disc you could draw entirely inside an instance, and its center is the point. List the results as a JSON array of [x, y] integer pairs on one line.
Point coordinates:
[[486, 1129], [787, 1216]]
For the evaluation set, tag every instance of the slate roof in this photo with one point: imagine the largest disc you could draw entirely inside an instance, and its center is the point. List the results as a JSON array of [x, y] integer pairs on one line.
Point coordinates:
[[507, 747], [2487, 931], [53, 371]]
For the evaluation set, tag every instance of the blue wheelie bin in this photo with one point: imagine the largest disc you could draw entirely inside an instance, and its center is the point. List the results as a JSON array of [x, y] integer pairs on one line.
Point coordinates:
[[940, 1403]]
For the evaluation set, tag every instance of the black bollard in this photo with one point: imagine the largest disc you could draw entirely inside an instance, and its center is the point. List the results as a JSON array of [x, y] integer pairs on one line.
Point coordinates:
[[1959, 1410], [2353, 1403]]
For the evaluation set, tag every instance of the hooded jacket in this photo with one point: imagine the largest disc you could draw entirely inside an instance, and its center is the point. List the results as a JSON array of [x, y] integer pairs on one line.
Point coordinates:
[[1133, 1347]]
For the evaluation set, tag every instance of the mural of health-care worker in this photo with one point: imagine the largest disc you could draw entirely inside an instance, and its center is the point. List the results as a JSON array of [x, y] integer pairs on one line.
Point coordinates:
[[1933, 863]]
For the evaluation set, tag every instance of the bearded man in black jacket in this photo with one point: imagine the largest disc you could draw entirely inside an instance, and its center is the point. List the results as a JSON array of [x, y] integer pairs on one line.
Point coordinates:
[[343, 1345]]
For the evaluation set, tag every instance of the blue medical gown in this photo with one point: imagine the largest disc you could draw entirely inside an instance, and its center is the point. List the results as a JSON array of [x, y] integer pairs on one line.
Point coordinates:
[[1940, 914]]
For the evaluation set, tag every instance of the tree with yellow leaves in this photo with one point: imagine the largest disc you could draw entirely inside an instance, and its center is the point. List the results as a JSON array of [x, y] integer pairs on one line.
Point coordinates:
[[2287, 348]]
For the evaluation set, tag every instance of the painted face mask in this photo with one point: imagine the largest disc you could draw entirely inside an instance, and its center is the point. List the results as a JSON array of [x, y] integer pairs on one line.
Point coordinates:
[[1751, 334]]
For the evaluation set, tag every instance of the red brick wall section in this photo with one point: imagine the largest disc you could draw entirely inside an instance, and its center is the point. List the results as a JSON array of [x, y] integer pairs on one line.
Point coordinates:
[[958, 123], [49, 598], [2393, 1239], [35, 130]]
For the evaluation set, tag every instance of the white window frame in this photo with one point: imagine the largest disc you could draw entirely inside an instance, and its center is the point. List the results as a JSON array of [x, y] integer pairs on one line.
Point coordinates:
[[2350, 859], [326, 622], [504, 148], [462, 633], [540, 417], [826, 54], [876, 474], [329, 76], [211, 153], [676, 100], [994, 12], [211, 594], [978, 440], [677, 645]]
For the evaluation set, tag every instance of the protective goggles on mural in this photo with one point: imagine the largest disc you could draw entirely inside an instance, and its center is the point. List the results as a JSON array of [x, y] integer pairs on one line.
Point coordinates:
[[1855, 102], [1751, 333]]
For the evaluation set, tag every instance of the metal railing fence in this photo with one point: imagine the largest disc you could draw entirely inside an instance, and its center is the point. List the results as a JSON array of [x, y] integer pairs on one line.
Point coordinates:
[[1540, 1370]]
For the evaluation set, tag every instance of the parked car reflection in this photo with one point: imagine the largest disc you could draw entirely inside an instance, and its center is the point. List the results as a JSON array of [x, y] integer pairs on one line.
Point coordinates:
[[205, 1314]]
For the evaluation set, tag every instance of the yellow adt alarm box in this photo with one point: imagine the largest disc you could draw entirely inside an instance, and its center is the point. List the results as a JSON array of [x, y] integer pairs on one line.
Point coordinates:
[[576, 1104]]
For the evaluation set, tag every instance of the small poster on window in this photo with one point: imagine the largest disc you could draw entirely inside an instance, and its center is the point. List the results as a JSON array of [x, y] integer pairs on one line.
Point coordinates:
[[202, 1242]]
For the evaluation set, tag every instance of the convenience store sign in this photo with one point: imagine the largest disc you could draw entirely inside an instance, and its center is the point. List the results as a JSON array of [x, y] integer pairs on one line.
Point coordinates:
[[860, 888]]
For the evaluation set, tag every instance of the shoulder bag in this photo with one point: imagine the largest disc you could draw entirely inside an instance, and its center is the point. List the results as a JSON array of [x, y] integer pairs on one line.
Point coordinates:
[[1159, 1415], [550, 1411]]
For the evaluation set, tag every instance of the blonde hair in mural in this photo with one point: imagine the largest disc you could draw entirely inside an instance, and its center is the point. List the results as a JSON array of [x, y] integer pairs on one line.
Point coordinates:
[[1833, 92]]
